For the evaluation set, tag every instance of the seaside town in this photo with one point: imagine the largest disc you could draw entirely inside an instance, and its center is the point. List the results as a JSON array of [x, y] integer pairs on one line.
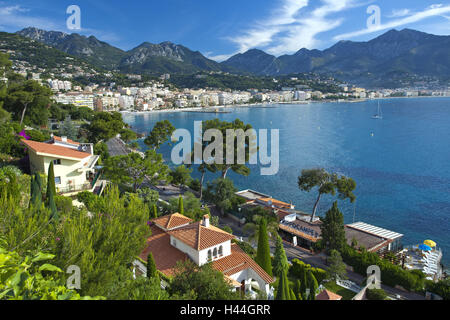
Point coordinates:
[[205, 231], [156, 95], [92, 207]]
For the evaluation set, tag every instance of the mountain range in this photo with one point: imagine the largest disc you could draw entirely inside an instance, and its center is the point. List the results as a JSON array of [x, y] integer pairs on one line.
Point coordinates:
[[388, 58], [165, 57]]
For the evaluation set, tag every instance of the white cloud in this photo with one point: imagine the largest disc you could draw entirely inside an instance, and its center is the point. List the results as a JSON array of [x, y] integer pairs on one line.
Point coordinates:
[[293, 26], [264, 32], [399, 13], [431, 11], [16, 17], [303, 34]]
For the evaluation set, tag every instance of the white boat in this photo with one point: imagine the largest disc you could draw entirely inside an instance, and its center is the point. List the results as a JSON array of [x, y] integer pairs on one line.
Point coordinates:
[[379, 114]]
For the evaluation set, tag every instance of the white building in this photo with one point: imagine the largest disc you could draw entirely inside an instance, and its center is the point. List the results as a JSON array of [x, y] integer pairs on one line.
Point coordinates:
[[74, 163], [176, 238], [77, 99]]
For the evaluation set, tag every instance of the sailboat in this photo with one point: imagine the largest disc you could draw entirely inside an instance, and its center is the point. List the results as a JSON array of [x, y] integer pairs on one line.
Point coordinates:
[[379, 114]]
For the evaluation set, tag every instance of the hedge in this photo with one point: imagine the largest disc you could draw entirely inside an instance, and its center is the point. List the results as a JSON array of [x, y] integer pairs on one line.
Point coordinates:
[[376, 294], [298, 266], [391, 275]]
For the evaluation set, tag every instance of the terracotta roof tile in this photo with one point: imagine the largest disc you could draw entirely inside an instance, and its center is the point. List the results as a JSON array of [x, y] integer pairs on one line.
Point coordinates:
[[199, 237], [172, 221], [276, 203], [166, 256], [40, 147], [68, 140], [239, 261], [328, 295]]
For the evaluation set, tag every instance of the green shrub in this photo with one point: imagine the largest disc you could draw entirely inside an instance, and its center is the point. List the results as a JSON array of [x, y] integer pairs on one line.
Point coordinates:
[[298, 266], [195, 185], [376, 294], [392, 275], [63, 204], [227, 229], [441, 288], [247, 248], [88, 199]]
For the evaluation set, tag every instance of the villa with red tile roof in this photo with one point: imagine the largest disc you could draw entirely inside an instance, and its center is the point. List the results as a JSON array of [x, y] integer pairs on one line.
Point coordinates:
[[328, 295], [176, 238], [74, 163]]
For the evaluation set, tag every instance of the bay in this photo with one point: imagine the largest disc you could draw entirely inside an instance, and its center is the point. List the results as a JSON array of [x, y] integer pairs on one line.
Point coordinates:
[[401, 164]]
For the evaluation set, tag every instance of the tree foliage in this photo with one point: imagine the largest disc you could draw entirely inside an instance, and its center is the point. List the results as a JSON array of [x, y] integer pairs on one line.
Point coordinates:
[[326, 183], [181, 176], [200, 283], [263, 251], [221, 192], [160, 134], [31, 277], [280, 262], [133, 169], [248, 147], [333, 229], [337, 268]]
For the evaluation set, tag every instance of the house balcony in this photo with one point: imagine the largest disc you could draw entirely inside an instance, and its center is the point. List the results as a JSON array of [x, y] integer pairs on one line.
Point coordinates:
[[73, 189]]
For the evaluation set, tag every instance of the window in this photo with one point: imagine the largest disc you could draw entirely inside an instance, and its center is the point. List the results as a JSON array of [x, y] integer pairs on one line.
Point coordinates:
[[215, 253], [220, 251], [57, 162], [174, 242], [57, 180], [209, 255]]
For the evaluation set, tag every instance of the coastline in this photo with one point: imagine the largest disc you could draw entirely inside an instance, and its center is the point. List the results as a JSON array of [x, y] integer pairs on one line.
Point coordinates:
[[262, 105]]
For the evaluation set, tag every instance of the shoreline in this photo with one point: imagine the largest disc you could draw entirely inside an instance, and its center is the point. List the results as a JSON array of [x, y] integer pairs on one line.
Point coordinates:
[[263, 105]]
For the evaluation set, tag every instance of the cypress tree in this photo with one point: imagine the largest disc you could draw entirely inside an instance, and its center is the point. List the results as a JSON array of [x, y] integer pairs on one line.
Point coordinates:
[[298, 289], [263, 252], [52, 206], [292, 295], [36, 195], [333, 230], [155, 212], [280, 262], [151, 266], [283, 288], [180, 205], [38, 179], [303, 282], [313, 285], [51, 187]]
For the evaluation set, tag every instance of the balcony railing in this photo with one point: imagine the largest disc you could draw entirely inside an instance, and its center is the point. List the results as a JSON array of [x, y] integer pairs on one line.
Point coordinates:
[[74, 188]]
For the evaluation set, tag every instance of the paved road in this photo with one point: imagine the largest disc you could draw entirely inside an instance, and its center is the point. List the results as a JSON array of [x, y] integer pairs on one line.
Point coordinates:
[[317, 261]]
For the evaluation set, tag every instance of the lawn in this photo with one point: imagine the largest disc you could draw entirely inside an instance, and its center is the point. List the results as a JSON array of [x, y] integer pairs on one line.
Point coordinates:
[[344, 293]]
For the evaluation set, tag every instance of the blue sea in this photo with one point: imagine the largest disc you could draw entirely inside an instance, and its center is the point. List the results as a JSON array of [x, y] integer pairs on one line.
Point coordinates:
[[401, 164]]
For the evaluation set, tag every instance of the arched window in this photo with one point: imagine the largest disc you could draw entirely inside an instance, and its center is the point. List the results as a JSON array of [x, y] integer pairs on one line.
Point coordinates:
[[220, 251], [215, 252], [209, 255]]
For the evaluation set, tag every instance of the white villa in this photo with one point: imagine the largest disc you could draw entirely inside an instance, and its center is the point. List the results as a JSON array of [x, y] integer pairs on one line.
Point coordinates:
[[74, 163], [176, 238]]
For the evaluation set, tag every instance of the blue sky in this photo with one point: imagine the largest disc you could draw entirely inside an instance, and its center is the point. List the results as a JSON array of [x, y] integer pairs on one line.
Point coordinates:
[[220, 29]]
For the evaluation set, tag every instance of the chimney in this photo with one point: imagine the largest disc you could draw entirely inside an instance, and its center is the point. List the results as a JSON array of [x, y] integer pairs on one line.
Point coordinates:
[[64, 139], [206, 221]]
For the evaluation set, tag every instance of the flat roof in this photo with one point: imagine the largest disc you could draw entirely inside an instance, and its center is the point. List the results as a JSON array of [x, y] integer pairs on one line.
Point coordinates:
[[251, 194], [377, 231], [303, 229], [369, 241]]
